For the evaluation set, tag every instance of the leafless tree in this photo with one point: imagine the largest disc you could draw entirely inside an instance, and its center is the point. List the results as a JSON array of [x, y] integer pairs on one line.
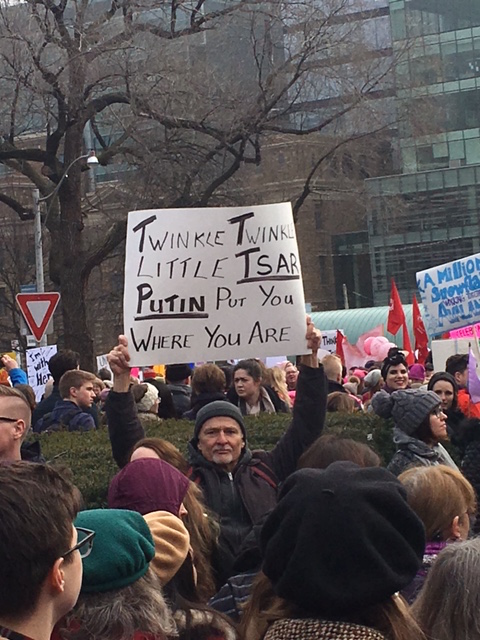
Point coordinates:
[[178, 96]]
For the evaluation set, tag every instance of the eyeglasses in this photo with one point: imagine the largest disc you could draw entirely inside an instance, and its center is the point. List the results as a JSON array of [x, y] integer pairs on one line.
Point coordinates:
[[84, 544], [437, 412], [4, 419]]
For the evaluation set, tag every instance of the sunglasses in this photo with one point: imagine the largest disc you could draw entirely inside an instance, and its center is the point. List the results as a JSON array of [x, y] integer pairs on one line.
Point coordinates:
[[84, 544]]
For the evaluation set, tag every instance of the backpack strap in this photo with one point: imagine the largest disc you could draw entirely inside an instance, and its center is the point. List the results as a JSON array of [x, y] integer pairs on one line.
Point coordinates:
[[265, 472], [193, 477]]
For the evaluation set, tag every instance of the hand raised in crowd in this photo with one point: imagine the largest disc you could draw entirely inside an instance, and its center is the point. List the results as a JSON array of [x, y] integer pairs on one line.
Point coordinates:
[[119, 361], [8, 362], [313, 337]]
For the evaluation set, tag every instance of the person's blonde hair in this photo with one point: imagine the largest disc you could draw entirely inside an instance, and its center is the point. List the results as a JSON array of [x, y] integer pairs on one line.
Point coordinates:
[[449, 601], [339, 401], [332, 365], [279, 384], [438, 494]]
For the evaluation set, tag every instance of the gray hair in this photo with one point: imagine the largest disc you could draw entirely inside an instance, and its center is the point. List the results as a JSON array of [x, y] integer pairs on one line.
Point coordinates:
[[449, 603], [119, 614]]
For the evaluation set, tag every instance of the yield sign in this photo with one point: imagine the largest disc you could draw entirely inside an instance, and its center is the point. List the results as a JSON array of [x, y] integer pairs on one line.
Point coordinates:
[[37, 309]]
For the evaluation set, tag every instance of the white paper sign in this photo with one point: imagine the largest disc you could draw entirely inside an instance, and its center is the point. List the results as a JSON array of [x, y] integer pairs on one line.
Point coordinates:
[[329, 340], [37, 368], [213, 284], [451, 294], [102, 363]]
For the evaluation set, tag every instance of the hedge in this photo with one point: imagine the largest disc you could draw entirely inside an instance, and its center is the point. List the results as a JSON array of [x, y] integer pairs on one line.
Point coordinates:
[[89, 455]]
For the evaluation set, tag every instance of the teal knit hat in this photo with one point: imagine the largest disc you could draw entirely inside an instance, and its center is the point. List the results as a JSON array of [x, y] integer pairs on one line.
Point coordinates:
[[122, 549]]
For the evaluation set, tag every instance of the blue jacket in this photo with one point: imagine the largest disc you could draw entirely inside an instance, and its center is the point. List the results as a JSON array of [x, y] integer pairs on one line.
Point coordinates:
[[18, 376], [66, 415]]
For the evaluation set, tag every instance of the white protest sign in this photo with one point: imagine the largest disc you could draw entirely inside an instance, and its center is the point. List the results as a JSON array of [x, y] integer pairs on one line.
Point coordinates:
[[37, 368], [213, 284], [450, 294], [102, 363], [329, 340]]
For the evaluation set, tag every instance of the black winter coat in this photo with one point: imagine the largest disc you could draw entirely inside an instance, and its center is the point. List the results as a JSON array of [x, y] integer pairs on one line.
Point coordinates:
[[468, 440], [239, 498]]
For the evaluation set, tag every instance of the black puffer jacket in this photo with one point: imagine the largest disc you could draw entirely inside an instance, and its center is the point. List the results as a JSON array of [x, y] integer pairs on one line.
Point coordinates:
[[201, 401]]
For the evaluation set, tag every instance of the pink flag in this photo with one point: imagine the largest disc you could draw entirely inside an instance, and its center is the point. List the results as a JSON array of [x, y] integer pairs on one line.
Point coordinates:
[[354, 357], [473, 381]]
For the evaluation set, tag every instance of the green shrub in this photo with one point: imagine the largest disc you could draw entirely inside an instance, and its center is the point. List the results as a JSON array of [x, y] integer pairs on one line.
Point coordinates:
[[89, 456]]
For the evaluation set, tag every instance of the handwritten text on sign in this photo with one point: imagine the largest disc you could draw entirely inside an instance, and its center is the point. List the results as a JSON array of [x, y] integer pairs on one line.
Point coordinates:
[[37, 368], [211, 284], [451, 294]]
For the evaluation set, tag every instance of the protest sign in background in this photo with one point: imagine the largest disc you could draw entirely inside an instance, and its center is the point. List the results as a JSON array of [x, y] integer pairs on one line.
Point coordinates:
[[213, 284], [37, 368], [451, 294]]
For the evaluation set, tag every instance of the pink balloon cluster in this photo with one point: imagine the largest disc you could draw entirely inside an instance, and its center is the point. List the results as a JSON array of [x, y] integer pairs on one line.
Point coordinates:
[[377, 347]]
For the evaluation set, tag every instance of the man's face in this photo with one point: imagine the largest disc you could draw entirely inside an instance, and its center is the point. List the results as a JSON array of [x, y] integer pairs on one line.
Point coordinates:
[[12, 429], [221, 441], [461, 378], [84, 395]]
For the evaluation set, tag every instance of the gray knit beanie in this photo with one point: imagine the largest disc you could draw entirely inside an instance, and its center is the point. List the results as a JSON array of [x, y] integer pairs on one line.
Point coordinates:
[[408, 407], [219, 408]]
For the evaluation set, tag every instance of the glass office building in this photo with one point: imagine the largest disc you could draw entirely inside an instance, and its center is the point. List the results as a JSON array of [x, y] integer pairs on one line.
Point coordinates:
[[429, 214]]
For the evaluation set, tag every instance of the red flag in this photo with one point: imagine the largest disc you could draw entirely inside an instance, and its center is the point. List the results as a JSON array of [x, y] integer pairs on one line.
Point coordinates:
[[420, 333], [410, 357], [396, 315], [339, 346]]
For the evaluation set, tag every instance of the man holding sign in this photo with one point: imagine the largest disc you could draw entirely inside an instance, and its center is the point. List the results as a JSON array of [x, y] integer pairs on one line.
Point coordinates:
[[239, 485]]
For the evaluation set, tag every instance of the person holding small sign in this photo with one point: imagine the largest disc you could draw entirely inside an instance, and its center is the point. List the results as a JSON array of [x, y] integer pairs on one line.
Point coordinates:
[[239, 485]]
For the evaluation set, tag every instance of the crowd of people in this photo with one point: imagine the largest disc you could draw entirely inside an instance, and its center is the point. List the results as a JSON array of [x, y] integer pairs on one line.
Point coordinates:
[[318, 538]]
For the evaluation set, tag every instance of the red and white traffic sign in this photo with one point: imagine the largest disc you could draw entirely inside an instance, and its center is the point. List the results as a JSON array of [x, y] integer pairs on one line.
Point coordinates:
[[37, 309]]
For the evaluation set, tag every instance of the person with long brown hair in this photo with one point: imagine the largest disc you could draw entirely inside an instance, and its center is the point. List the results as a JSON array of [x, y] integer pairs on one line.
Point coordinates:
[[338, 546]]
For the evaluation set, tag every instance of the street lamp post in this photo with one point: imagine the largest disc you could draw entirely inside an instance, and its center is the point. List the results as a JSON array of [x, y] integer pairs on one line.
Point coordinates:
[[40, 278]]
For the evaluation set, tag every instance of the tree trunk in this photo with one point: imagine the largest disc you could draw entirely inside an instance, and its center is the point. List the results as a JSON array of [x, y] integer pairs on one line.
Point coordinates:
[[77, 333], [67, 259]]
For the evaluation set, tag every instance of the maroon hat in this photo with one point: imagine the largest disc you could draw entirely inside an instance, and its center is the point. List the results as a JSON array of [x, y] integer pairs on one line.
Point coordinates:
[[146, 485], [417, 372]]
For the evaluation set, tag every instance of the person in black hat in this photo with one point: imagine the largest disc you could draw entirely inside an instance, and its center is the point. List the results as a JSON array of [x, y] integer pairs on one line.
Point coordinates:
[[239, 485], [337, 548], [420, 427]]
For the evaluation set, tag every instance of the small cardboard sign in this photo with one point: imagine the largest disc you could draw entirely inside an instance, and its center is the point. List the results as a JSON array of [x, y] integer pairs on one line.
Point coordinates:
[[213, 284]]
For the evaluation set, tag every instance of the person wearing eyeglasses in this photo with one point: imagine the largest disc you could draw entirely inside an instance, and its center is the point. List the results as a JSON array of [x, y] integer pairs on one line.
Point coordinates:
[[15, 419], [40, 550], [419, 428]]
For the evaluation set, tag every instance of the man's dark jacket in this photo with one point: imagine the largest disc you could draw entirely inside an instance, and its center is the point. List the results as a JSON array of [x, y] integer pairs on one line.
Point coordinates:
[[48, 404], [239, 498], [333, 386]]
